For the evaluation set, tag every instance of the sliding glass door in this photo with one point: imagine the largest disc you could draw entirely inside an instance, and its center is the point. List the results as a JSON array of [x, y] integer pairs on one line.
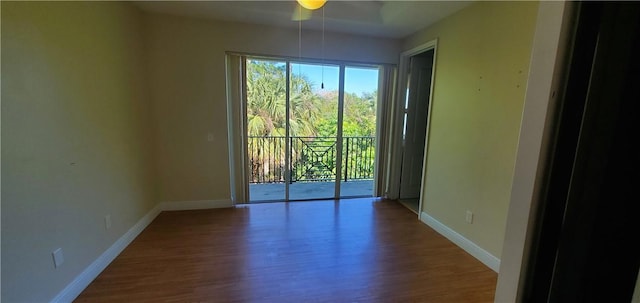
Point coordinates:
[[311, 130]]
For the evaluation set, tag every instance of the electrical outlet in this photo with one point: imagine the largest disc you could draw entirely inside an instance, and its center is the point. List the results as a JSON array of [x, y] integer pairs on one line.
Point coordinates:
[[469, 217], [107, 221], [210, 137], [58, 257]]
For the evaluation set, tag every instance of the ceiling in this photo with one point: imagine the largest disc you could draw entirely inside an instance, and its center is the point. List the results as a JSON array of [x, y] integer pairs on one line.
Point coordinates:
[[390, 19]]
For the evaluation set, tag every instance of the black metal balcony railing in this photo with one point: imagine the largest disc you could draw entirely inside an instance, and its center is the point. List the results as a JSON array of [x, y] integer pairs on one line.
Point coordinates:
[[312, 159]]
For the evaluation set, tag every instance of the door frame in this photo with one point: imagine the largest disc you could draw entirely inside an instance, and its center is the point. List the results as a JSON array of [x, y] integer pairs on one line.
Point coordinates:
[[236, 115], [397, 126]]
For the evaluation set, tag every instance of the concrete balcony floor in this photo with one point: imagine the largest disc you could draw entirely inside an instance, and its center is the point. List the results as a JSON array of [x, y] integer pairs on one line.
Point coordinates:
[[309, 190]]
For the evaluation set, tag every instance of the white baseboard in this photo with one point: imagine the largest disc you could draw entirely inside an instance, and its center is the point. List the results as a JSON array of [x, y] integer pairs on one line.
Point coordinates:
[[71, 292], [73, 289], [196, 204], [476, 251]]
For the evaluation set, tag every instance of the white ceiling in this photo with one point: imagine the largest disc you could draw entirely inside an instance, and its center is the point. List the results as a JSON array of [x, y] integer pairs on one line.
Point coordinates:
[[392, 19]]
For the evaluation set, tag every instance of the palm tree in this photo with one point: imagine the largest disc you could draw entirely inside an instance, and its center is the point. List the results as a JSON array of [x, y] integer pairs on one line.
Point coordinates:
[[266, 101], [266, 98], [266, 115]]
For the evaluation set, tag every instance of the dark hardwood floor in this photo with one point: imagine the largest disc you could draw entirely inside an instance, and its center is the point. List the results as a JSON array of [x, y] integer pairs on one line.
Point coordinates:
[[359, 250]]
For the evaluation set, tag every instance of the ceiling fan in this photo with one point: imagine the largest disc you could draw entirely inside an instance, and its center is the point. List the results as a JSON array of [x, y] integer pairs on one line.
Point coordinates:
[[304, 8]]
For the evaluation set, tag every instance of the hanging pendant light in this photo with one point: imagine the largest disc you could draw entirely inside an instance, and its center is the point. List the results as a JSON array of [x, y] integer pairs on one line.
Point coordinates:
[[312, 4]]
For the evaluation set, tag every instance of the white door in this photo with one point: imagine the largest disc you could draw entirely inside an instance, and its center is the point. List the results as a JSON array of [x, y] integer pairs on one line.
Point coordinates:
[[416, 113]]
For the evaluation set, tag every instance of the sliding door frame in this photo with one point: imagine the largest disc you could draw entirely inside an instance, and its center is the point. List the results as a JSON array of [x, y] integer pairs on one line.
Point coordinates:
[[339, 134], [287, 136], [237, 122]]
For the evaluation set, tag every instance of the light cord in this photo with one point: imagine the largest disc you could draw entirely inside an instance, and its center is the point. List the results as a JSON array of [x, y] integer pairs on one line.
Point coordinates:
[[322, 83], [299, 39]]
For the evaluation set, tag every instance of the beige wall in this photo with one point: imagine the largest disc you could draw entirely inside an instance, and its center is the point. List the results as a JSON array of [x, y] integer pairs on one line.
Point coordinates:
[[76, 141], [481, 75], [187, 69]]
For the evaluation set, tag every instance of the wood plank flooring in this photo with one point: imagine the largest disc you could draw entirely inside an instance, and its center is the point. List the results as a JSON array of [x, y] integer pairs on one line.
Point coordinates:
[[359, 250]]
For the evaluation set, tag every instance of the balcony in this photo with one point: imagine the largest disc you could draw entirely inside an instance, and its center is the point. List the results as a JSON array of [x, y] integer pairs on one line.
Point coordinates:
[[313, 167]]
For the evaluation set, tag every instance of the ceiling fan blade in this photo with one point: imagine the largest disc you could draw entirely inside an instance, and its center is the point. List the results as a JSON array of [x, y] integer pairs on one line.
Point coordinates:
[[300, 13]]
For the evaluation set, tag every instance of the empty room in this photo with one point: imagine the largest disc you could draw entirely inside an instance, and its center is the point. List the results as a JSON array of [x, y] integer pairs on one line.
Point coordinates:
[[301, 151]]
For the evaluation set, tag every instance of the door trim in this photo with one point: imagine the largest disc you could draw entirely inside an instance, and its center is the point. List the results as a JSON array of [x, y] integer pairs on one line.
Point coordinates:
[[397, 125]]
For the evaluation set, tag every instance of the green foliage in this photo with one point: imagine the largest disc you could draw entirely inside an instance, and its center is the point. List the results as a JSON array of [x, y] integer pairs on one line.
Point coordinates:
[[266, 97], [266, 101], [312, 114]]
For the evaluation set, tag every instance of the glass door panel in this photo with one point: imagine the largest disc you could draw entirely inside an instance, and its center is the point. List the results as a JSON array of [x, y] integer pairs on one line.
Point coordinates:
[[266, 83], [313, 128], [359, 131]]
